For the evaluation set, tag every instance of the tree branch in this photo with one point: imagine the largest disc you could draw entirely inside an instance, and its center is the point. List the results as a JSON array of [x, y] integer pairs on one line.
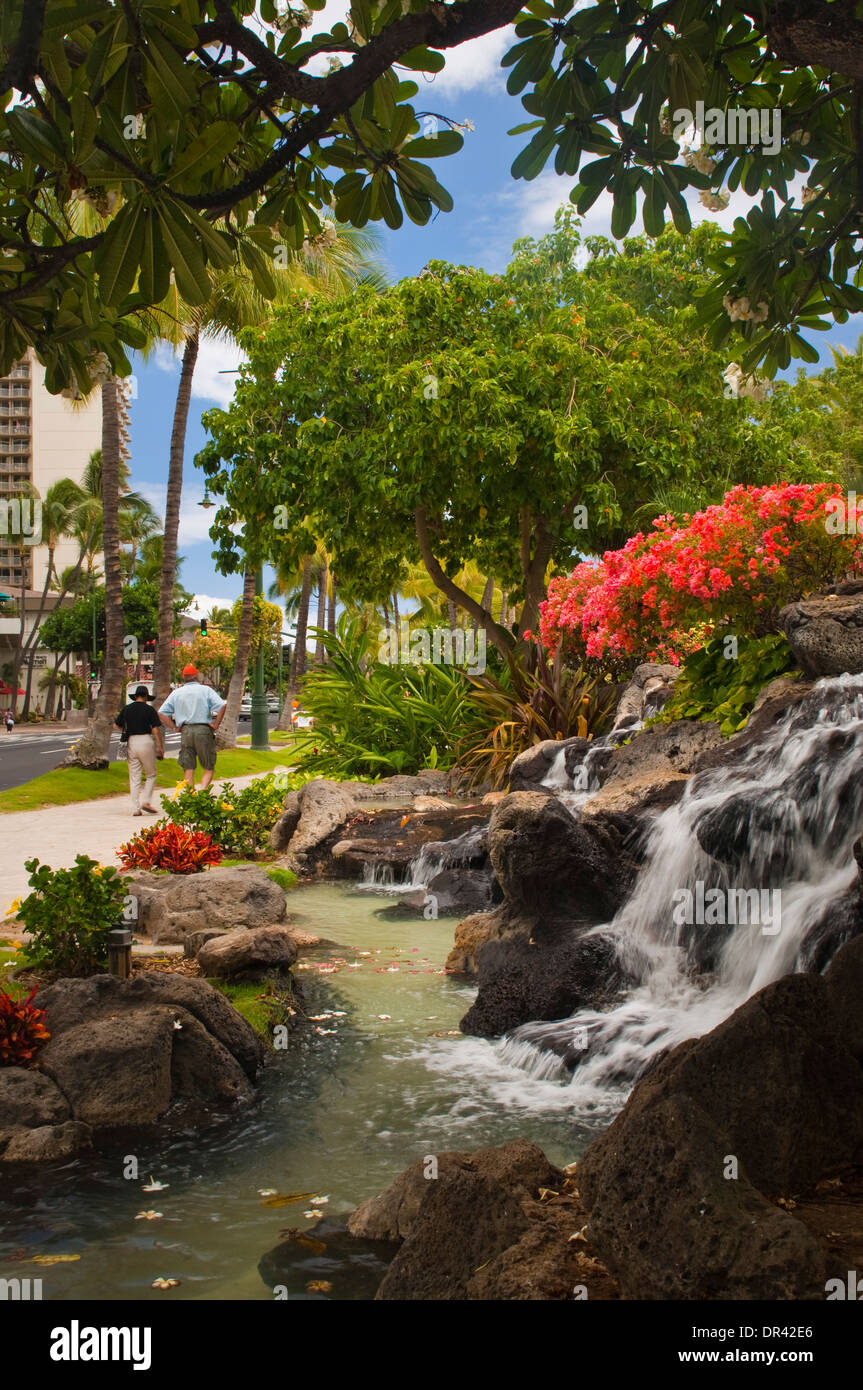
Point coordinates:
[[502, 639]]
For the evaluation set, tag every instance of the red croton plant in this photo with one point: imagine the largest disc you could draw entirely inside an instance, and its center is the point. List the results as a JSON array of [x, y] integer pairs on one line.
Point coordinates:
[[172, 847], [22, 1030]]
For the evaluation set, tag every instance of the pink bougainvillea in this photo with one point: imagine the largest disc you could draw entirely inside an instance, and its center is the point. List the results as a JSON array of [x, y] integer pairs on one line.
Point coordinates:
[[737, 562]]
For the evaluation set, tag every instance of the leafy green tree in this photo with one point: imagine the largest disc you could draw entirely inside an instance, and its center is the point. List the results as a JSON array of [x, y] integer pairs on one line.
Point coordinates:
[[607, 88], [508, 420], [197, 133]]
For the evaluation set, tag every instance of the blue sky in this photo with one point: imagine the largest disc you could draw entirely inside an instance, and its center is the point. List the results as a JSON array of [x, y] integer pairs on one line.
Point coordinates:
[[491, 211]]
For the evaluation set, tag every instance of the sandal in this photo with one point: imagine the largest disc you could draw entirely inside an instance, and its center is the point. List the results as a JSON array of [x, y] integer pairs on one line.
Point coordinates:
[[151, 809]]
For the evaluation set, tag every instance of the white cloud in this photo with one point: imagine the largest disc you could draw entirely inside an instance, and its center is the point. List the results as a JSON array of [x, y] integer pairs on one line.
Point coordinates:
[[195, 521], [203, 604], [215, 370], [472, 66]]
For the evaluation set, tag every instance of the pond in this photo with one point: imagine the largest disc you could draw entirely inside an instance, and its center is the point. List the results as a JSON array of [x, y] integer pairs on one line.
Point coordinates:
[[379, 1079]]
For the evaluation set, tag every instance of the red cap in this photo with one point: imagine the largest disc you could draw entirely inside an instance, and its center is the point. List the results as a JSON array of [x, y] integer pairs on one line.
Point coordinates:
[[189, 671]]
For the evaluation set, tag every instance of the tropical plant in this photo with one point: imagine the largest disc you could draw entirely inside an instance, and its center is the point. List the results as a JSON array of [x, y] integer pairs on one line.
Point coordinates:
[[533, 699], [737, 563], [371, 718], [171, 848], [721, 681], [69, 913], [22, 1030], [612, 92], [165, 138]]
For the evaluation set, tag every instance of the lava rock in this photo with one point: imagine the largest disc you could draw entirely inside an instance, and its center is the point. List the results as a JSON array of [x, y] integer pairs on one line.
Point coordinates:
[[249, 955], [29, 1099], [548, 863], [651, 771], [546, 975], [651, 685], [71, 1003], [172, 905], [45, 1143], [778, 1089], [826, 634]]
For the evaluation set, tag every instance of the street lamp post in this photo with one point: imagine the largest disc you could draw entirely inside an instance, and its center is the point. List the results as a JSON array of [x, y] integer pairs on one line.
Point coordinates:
[[260, 710]]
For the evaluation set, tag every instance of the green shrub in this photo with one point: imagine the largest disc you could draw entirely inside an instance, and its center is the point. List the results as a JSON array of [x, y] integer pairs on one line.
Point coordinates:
[[715, 684], [532, 700], [69, 914], [375, 719], [238, 821]]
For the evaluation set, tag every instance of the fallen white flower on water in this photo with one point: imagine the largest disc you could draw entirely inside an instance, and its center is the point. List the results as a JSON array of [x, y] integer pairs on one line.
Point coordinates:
[[154, 1185], [148, 1216]]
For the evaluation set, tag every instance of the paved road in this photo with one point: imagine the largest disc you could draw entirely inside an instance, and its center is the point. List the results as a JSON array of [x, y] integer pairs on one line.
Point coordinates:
[[25, 754]]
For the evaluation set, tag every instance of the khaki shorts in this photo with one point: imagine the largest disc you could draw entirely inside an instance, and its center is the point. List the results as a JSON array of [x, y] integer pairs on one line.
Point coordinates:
[[197, 744]]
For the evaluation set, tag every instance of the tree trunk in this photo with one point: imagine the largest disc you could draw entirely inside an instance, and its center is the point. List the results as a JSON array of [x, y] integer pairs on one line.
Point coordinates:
[[323, 587], [496, 634], [93, 746], [227, 735], [331, 615], [167, 580], [298, 662], [485, 601]]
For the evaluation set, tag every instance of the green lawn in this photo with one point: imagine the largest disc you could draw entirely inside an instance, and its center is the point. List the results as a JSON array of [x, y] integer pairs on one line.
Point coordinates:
[[67, 785]]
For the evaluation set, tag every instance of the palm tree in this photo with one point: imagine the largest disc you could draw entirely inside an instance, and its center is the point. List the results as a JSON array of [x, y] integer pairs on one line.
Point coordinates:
[[330, 264], [91, 750], [59, 510], [296, 605]]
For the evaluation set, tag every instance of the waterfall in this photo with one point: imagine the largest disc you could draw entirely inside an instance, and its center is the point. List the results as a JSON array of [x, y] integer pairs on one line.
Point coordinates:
[[703, 932], [431, 859], [576, 781]]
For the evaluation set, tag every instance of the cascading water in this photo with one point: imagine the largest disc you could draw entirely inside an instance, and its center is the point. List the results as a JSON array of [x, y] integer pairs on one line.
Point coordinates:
[[694, 937], [576, 781], [432, 859]]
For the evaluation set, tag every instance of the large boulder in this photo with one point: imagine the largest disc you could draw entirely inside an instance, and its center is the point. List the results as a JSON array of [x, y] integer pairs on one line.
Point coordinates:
[[127, 1052], [826, 633], [549, 863], [73, 1002], [475, 1226], [130, 1069], [651, 771], [680, 1186], [651, 685], [170, 906], [249, 955], [546, 974]]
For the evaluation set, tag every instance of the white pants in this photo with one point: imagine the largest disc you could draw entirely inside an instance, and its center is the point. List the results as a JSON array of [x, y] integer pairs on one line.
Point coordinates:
[[142, 763]]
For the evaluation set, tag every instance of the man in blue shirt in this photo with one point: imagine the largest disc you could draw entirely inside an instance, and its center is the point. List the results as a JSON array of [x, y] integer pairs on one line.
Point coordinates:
[[195, 711]]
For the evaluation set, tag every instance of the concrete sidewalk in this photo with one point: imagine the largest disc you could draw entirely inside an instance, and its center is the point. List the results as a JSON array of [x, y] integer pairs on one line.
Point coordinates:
[[54, 835]]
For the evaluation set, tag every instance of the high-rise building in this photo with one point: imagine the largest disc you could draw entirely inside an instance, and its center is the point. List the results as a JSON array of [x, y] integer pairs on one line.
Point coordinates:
[[43, 438]]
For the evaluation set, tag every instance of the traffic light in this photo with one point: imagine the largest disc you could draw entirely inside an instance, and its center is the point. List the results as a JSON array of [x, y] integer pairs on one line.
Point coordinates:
[[203, 627], [93, 675]]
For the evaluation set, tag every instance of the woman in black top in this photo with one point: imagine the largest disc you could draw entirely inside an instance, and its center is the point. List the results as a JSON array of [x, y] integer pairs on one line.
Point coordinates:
[[141, 728]]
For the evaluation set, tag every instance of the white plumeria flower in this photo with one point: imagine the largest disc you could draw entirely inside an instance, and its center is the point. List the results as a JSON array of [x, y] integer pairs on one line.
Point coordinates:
[[154, 1185]]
